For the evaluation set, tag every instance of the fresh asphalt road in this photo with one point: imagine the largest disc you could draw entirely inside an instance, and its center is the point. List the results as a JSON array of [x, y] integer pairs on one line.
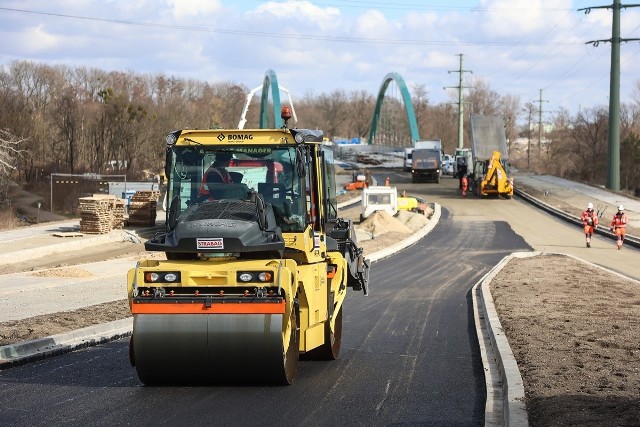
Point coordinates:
[[409, 351], [409, 356]]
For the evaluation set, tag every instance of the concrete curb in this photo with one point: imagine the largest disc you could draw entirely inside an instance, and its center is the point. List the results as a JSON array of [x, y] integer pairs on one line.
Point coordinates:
[[32, 350], [505, 398], [63, 246], [505, 388], [350, 202]]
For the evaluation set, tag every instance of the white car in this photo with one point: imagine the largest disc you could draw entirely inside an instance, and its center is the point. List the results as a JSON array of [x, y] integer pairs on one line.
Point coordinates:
[[447, 168]]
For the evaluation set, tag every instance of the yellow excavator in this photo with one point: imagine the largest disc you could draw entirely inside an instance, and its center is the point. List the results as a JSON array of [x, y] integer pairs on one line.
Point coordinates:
[[257, 263], [493, 179]]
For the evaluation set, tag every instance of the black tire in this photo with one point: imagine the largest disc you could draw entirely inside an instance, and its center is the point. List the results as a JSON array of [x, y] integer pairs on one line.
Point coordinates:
[[291, 356], [132, 358]]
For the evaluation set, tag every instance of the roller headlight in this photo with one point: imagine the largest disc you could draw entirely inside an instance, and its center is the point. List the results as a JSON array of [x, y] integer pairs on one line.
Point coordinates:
[[255, 276], [162, 277]]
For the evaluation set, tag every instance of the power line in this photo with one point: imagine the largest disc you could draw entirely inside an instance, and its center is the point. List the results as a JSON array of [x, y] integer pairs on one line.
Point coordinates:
[[407, 42], [365, 4]]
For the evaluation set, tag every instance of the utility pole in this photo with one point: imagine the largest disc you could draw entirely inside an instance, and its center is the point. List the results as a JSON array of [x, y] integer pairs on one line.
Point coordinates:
[[460, 100], [613, 172], [540, 101], [529, 108]]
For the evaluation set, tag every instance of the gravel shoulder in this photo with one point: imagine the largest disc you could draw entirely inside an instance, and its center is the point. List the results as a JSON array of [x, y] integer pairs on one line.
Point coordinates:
[[573, 328]]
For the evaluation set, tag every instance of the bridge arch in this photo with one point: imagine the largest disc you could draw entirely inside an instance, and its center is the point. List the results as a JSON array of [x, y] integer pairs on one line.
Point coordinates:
[[270, 81], [408, 107]]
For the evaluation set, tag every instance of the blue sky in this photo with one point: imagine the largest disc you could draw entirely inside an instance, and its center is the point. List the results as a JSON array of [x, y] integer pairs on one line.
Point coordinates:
[[517, 47]]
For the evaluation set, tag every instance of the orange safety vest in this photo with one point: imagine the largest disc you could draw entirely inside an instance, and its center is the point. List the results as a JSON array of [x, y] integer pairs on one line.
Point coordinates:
[[224, 175], [589, 218], [619, 220]]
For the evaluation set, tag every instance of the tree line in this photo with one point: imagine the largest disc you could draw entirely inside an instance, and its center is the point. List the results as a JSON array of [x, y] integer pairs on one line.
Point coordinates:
[[63, 119]]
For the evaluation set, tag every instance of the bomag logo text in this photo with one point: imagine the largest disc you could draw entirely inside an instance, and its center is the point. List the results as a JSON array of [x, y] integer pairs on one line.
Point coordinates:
[[242, 137]]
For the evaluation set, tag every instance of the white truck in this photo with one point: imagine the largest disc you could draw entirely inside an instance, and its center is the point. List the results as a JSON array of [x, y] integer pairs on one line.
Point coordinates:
[[379, 198], [407, 159]]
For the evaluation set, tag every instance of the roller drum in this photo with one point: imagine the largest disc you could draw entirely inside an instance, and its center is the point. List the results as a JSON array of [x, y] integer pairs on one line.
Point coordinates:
[[208, 348]]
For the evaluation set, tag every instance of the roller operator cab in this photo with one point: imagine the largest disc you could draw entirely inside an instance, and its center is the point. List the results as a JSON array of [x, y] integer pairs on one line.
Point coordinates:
[[257, 260]]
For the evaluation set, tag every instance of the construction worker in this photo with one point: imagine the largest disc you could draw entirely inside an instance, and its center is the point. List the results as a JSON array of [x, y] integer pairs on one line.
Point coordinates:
[[216, 174], [589, 222], [618, 225], [218, 169], [464, 185]]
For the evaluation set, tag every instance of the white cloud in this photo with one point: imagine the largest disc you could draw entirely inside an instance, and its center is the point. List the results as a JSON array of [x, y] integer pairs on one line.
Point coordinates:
[[300, 13], [373, 24], [519, 18], [189, 8], [552, 32], [36, 40]]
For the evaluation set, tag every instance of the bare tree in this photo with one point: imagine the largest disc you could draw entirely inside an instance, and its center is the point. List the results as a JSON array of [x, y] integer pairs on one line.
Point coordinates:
[[360, 113], [482, 99], [560, 153], [443, 125], [420, 99], [10, 152], [589, 136], [333, 109], [510, 109]]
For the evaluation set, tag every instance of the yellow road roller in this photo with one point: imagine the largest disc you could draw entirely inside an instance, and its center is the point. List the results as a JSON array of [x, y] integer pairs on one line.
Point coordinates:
[[257, 265]]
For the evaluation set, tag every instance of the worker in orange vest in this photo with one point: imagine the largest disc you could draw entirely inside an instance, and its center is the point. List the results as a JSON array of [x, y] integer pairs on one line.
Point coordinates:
[[618, 225], [589, 222], [465, 185]]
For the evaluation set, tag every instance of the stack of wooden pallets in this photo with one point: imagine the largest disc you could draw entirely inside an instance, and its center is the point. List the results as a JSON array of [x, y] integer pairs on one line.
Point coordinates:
[[96, 214], [142, 208], [100, 213], [118, 214]]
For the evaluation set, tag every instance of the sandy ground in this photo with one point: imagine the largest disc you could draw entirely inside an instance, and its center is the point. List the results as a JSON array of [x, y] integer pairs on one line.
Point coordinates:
[[578, 355]]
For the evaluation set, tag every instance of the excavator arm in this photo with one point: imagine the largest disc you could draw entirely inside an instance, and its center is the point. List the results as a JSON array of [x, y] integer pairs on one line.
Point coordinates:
[[496, 182]]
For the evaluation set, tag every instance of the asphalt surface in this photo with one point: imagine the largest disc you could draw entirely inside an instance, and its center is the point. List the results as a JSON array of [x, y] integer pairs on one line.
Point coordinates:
[[410, 351], [409, 356]]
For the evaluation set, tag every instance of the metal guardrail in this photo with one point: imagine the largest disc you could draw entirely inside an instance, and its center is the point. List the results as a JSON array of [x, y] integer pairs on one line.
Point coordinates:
[[604, 231]]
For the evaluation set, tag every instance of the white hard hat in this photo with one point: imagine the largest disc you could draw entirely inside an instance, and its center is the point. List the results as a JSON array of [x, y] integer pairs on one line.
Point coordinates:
[[620, 208], [590, 206]]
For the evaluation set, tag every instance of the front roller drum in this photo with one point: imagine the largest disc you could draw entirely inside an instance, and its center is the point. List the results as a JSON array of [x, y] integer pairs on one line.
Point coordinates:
[[213, 348]]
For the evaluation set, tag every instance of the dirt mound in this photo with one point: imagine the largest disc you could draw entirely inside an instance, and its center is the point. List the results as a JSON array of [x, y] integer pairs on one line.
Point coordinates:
[[381, 222], [413, 220]]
